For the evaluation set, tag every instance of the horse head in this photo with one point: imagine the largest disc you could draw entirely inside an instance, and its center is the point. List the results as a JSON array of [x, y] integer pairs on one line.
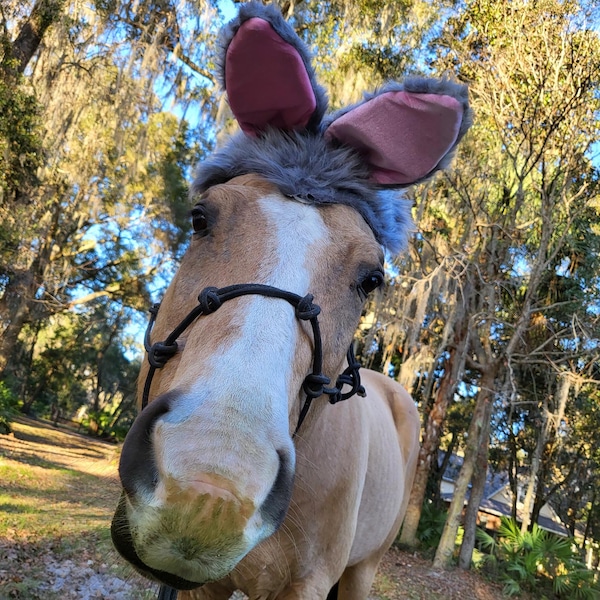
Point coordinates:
[[291, 218]]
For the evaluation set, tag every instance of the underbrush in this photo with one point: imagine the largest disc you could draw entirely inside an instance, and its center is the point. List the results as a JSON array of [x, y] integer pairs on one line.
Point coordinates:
[[430, 528], [535, 561], [8, 409]]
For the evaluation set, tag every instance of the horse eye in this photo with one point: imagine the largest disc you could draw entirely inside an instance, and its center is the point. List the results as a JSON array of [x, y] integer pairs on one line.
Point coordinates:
[[371, 282], [199, 220]]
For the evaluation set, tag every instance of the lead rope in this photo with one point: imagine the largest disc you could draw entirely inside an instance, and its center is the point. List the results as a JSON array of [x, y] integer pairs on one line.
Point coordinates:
[[315, 383]]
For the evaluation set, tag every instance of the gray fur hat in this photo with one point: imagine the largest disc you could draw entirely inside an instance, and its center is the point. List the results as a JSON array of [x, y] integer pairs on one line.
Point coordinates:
[[359, 156]]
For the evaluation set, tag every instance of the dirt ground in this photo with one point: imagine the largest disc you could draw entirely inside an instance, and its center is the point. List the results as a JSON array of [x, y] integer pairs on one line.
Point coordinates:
[[57, 493], [405, 576]]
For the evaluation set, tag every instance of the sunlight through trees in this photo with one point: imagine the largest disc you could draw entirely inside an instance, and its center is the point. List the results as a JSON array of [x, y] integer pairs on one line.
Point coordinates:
[[491, 319]]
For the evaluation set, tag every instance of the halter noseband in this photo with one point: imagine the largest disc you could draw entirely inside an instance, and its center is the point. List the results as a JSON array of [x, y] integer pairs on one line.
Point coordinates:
[[211, 299]]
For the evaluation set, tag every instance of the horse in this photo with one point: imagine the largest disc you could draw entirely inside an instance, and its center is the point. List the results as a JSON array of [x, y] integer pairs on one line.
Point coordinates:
[[251, 466]]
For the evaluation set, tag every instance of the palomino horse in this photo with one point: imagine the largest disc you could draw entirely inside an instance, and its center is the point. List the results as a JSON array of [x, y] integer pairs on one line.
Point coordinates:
[[230, 481]]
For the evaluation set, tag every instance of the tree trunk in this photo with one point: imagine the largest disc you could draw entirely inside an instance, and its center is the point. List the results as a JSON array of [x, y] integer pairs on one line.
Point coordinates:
[[539, 498], [477, 490], [588, 521], [43, 14], [20, 294], [14, 311], [479, 423], [550, 421], [127, 401], [536, 461], [438, 474], [513, 471], [431, 436], [31, 398]]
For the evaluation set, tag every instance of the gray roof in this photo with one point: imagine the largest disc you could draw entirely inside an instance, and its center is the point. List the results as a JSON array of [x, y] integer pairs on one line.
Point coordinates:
[[495, 482]]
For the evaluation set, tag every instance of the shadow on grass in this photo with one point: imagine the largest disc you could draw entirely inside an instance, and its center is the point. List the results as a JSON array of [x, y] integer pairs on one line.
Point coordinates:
[[16, 508], [40, 444], [70, 439], [62, 486], [31, 458]]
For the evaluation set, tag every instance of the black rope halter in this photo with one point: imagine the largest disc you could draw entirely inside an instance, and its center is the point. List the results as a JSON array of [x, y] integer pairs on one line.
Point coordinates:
[[211, 299], [315, 383]]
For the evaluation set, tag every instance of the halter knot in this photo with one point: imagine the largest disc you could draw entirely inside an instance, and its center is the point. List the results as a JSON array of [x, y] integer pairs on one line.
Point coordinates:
[[306, 310], [351, 378], [159, 353], [314, 384], [209, 300]]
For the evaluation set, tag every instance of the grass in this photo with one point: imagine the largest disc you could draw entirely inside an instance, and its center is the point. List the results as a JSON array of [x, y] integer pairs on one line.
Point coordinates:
[[49, 502], [58, 491]]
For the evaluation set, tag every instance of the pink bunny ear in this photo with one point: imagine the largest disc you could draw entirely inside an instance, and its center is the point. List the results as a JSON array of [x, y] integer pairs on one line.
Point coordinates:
[[404, 136], [267, 74]]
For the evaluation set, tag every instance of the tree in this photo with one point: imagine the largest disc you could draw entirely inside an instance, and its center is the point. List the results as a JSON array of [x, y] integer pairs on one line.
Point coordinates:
[[106, 159], [94, 157], [541, 112], [43, 15], [78, 365], [20, 143], [453, 371], [501, 226]]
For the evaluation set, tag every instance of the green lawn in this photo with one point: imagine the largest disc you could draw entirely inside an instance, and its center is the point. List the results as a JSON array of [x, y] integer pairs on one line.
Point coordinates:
[[57, 495]]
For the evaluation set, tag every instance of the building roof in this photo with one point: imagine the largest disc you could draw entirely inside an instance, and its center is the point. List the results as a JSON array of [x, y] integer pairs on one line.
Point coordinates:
[[497, 496]]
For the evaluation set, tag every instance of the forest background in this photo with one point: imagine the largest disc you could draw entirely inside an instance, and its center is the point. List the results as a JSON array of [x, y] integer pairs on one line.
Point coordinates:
[[491, 319]]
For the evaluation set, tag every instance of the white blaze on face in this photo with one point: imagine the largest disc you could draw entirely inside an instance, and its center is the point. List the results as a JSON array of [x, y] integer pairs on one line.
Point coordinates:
[[232, 418], [259, 363]]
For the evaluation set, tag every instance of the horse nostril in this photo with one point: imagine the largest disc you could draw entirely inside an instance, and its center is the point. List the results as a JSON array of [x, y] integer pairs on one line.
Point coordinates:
[[136, 466], [275, 506]]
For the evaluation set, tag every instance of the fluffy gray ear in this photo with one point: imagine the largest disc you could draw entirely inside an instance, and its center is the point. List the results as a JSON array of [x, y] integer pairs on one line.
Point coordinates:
[[267, 73], [404, 132]]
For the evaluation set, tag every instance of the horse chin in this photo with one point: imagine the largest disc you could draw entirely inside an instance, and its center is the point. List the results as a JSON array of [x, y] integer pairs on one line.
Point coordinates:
[[123, 542], [197, 571], [188, 543]]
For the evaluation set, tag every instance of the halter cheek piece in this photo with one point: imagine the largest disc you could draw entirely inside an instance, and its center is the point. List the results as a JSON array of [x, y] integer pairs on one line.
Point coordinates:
[[211, 299]]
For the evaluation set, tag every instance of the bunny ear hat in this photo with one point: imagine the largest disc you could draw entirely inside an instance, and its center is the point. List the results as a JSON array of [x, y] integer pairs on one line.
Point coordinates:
[[397, 136]]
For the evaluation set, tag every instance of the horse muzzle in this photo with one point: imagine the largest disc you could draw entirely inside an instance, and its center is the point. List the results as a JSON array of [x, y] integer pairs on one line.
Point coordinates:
[[184, 530]]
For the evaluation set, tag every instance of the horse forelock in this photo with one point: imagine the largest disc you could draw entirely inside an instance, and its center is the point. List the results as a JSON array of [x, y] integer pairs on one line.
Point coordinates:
[[306, 166]]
